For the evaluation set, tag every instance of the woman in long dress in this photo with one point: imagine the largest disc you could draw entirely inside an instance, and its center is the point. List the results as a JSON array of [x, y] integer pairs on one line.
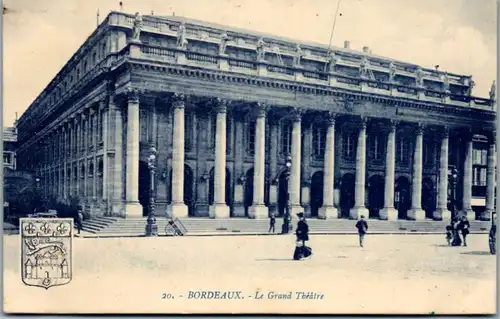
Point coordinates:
[[302, 251]]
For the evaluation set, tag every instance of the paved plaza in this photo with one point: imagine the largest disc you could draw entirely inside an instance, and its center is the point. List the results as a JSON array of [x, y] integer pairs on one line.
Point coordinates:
[[392, 274]]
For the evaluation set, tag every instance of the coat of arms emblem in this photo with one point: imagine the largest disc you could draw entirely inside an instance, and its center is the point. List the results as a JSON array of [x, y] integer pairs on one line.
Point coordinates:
[[46, 251]]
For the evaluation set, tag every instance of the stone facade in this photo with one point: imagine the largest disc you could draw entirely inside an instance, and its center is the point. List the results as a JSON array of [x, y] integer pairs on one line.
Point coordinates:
[[225, 108]]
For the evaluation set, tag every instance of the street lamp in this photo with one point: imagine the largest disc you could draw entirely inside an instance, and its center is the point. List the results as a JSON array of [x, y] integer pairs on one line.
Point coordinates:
[[287, 225], [454, 181], [151, 226]]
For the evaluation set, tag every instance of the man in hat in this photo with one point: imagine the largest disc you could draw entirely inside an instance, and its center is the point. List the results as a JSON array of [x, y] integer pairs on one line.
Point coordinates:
[[362, 227]]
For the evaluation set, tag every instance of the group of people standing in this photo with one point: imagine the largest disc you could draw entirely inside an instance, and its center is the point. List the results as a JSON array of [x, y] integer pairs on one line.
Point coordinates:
[[457, 227]]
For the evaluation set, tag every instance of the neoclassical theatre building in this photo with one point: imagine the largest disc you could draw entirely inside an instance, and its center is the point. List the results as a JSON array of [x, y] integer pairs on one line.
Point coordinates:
[[225, 108]]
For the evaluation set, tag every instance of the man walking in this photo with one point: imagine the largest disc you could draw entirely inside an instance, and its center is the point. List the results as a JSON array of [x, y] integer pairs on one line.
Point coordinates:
[[362, 227], [79, 220], [464, 227], [272, 222]]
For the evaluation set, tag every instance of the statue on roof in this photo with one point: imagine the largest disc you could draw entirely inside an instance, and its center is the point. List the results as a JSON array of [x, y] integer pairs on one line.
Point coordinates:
[[419, 77], [181, 36], [260, 49], [332, 61], [472, 84], [136, 29], [223, 42], [363, 67], [493, 91], [392, 71], [298, 55]]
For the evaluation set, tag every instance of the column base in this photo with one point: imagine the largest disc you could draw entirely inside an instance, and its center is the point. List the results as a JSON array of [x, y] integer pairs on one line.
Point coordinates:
[[294, 210], [258, 212], [388, 213], [471, 215], [442, 214], [133, 209], [218, 211], [179, 210], [238, 210], [356, 212], [486, 215], [416, 214], [328, 212]]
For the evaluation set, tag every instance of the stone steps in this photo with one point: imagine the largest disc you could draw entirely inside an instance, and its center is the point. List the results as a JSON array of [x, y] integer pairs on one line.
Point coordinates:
[[107, 226]]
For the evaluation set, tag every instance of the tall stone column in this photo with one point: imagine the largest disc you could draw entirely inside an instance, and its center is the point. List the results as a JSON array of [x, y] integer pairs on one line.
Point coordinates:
[[307, 131], [219, 209], [115, 186], [467, 180], [258, 208], [294, 183], [132, 205], [104, 111], [388, 212], [416, 212], [328, 210], [273, 165], [177, 208], [442, 211], [490, 179], [359, 184]]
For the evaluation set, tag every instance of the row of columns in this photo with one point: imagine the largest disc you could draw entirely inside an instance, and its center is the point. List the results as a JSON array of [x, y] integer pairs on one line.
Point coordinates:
[[258, 209]]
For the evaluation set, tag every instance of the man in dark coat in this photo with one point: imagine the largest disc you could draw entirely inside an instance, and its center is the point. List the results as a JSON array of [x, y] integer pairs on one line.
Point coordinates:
[[272, 222], [79, 219], [301, 250], [362, 227], [464, 228]]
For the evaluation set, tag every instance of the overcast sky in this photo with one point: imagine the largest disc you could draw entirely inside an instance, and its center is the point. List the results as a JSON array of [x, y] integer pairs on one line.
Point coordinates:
[[460, 35]]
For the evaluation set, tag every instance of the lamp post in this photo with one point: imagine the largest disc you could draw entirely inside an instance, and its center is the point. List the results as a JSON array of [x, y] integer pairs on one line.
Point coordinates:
[[151, 226], [454, 180], [287, 225]]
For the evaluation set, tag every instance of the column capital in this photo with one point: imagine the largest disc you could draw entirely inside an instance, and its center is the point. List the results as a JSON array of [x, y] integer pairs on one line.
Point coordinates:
[[420, 128], [445, 132], [178, 100], [220, 105], [392, 124], [296, 114], [261, 109], [331, 117], [363, 122], [132, 95]]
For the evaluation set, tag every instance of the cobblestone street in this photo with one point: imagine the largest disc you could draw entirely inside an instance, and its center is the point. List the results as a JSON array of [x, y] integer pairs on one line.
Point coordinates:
[[392, 274]]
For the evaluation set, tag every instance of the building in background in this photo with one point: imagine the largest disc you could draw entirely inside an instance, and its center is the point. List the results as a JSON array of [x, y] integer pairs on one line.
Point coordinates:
[[9, 147], [225, 108]]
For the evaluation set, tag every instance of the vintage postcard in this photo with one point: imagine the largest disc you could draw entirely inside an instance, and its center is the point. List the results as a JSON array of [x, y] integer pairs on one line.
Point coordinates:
[[249, 157]]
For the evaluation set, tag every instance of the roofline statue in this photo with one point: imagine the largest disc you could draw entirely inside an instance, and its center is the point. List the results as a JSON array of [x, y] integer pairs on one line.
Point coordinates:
[[181, 36], [260, 49], [493, 91], [137, 27]]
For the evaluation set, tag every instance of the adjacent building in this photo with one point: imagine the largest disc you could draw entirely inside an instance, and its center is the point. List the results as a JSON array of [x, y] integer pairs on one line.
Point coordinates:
[[9, 147], [225, 110]]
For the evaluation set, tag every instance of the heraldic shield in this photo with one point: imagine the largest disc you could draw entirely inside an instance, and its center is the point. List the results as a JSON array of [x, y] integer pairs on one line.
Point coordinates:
[[46, 251]]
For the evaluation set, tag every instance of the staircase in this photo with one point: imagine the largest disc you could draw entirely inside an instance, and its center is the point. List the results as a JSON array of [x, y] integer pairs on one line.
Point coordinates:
[[114, 226]]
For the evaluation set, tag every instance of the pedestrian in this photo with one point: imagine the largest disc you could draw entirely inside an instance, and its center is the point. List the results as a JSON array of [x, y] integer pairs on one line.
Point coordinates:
[[449, 234], [79, 220], [456, 236], [272, 222], [302, 251], [464, 228], [362, 227]]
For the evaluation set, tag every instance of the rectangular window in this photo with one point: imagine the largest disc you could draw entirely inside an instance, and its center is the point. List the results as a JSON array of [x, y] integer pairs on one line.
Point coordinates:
[[483, 176], [286, 139], [188, 131], [375, 151], [484, 157], [402, 151], [229, 134], [251, 138], [213, 130], [349, 140], [319, 142], [6, 158], [428, 149], [100, 125]]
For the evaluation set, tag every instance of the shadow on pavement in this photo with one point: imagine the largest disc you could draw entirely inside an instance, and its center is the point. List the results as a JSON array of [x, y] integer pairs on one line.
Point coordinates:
[[274, 259], [477, 253]]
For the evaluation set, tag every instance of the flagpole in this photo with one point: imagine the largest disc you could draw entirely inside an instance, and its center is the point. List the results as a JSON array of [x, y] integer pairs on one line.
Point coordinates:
[[333, 29]]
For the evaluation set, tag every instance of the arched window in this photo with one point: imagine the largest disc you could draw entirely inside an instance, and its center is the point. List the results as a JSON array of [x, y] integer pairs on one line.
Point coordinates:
[[286, 138], [319, 141], [349, 141]]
